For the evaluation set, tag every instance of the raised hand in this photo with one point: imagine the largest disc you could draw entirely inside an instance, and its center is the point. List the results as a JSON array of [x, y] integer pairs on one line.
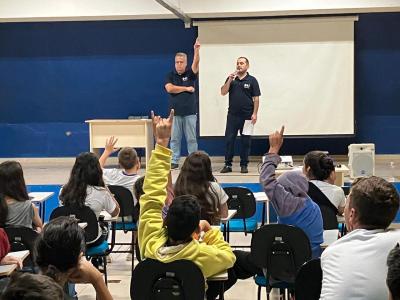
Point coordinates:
[[155, 119], [204, 225], [276, 141], [196, 45], [162, 128], [110, 145]]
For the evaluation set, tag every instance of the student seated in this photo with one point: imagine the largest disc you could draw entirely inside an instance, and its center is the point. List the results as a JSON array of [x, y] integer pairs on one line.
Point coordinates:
[[320, 171], [354, 267], [393, 275], [171, 239], [289, 198], [5, 249], [4, 258], [86, 187], [196, 179], [288, 194], [129, 164], [5, 245], [27, 286], [19, 210], [59, 255]]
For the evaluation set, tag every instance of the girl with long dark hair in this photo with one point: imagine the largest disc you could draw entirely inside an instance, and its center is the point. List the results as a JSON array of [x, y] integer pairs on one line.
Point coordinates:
[[86, 187], [196, 179], [16, 208]]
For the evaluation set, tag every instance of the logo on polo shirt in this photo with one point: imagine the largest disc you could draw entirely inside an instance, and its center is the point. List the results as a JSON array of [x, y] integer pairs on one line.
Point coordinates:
[[246, 85], [184, 78]]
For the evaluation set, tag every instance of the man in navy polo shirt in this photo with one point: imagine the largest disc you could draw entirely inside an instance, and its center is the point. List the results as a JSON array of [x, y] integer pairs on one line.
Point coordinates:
[[179, 84], [244, 95]]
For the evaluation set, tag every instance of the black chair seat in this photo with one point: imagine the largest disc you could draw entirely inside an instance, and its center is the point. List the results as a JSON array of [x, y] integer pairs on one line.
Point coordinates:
[[280, 250], [309, 281], [82, 214], [178, 280], [129, 213], [243, 201], [22, 238]]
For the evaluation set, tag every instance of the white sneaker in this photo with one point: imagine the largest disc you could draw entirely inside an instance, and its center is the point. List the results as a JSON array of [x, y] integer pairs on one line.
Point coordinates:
[[109, 261], [129, 257]]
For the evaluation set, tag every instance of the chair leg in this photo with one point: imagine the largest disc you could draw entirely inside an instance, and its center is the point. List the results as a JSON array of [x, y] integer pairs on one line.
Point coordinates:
[[105, 269], [224, 233], [133, 250], [222, 291], [259, 293], [228, 232]]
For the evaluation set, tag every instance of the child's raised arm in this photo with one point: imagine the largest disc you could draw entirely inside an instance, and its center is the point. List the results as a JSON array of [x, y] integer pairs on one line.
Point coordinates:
[[155, 183]]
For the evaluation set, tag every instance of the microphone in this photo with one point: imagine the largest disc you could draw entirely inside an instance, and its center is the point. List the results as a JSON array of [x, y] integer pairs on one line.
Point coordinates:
[[235, 74]]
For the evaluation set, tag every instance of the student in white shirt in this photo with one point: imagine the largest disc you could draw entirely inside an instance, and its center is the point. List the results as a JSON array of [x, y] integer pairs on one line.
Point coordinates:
[[393, 276], [354, 267], [128, 161], [127, 173], [320, 170]]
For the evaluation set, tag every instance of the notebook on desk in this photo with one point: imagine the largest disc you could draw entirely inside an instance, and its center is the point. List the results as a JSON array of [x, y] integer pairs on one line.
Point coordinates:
[[20, 254]]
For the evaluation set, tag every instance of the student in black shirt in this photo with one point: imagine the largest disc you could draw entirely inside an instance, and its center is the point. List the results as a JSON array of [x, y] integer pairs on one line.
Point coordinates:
[[244, 95], [179, 84]]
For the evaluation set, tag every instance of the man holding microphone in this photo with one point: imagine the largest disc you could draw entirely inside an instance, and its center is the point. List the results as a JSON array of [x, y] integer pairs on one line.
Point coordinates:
[[244, 95]]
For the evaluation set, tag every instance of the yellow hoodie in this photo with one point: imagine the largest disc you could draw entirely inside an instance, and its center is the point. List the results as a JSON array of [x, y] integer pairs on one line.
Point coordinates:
[[213, 255]]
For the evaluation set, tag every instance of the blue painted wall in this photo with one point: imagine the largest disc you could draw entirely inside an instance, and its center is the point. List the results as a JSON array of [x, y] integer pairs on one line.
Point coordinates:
[[54, 76]]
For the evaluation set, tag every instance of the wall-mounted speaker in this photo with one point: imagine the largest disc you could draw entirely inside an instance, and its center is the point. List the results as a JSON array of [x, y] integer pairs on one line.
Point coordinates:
[[361, 160]]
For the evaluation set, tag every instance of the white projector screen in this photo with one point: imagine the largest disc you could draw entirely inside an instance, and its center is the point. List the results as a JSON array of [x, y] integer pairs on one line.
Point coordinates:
[[304, 68]]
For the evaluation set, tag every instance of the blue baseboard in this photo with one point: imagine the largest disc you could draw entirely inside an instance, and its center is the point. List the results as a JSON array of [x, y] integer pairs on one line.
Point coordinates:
[[254, 187]]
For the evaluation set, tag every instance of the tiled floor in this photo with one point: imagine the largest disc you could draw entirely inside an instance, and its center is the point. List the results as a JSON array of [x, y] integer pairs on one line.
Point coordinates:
[[56, 171]]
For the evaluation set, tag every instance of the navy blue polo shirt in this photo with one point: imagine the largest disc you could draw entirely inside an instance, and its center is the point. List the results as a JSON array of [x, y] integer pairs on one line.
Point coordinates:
[[241, 93], [183, 103]]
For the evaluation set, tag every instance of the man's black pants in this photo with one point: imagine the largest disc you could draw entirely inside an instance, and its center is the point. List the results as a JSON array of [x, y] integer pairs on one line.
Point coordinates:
[[233, 125]]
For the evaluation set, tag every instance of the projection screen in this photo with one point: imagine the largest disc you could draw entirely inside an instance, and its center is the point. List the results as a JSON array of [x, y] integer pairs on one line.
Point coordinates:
[[305, 69]]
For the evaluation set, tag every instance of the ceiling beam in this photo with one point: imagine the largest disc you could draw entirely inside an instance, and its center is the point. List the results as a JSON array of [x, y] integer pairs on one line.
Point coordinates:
[[177, 12]]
